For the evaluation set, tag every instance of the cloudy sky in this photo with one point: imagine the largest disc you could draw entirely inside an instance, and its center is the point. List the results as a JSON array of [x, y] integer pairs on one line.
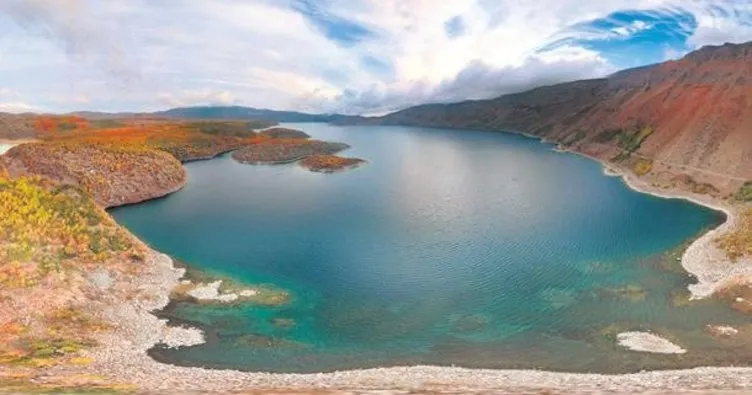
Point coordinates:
[[349, 56]]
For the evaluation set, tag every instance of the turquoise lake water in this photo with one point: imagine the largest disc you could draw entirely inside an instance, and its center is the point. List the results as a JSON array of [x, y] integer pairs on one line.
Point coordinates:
[[449, 247]]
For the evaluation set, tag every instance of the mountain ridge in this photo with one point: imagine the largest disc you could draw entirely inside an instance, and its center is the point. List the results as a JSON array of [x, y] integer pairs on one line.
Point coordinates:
[[223, 112], [689, 116]]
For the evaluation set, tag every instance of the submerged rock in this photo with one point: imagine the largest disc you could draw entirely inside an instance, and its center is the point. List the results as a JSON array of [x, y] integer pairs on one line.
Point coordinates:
[[283, 323], [721, 330], [648, 342], [559, 298], [255, 340], [631, 293]]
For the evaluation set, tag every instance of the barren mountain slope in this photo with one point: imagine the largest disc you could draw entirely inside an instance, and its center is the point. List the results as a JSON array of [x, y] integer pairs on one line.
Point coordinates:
[[692, 116]]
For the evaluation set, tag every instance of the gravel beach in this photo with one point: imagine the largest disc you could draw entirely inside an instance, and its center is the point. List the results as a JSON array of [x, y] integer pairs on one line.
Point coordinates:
[[122, 356]]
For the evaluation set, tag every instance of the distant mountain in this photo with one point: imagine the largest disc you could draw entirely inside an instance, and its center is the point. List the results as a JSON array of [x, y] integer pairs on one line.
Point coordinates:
[[238, 112], [226, 112], [692, 115]]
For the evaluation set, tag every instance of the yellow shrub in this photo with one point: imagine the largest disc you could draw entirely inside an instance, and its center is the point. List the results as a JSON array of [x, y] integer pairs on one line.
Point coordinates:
[[738, 244], [643, 167]]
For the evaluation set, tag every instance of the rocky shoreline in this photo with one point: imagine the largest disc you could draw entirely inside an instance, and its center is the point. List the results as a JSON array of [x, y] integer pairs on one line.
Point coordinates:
[[703, 259], [122, 355]]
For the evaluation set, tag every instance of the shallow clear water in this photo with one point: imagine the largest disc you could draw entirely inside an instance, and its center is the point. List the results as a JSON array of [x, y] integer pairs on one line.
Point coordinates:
[[449, 247]]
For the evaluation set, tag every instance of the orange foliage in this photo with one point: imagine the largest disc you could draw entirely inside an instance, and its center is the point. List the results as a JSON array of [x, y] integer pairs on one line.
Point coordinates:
[[184, 140], [125, 161], [51, 125], [329, 163]]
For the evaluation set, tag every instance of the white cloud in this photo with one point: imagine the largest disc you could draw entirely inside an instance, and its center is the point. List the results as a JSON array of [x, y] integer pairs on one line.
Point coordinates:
[[198, 97], [476, 81], [16, 107], [132, 55], [720, 32], [632, 28]]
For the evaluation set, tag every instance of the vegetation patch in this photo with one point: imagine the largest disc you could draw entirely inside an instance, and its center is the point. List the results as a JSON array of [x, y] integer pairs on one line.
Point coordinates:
[[745, 192], [607, 135], [738, 244], [46, 228], [643, 167], [631, 141], [628, 140], [701, 188]]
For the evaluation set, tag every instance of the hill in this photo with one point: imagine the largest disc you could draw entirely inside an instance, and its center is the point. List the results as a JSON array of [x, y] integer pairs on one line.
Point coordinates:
[[692, 116], [247, 113]]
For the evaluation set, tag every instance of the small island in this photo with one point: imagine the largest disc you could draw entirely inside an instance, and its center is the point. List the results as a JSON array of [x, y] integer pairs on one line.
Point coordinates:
[[285, 151], [282, 145], [284, 133], [330, 163]]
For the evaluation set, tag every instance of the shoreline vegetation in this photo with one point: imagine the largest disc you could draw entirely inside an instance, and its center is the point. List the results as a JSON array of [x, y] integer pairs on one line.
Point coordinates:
[[122, 282]]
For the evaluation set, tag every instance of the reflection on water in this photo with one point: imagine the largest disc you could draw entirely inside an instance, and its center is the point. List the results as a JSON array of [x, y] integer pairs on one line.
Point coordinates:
[[449, 247]]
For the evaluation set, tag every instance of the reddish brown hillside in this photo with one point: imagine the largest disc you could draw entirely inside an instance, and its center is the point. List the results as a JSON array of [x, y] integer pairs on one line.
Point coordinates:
[[17, 126], [113, 176], [691, 116], [122, 161]]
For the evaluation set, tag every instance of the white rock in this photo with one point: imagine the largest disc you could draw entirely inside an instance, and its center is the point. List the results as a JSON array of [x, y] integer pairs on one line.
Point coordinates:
[[227, 297], [739, 300], [206, 292], [723, 330], [248, 292], [178, 336], [648, 342], [211, 292]]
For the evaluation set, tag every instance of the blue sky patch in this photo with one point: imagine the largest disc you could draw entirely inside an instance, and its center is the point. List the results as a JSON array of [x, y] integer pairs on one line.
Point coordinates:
[[377, 66], [339, 30], [454, 27], [633, 38]]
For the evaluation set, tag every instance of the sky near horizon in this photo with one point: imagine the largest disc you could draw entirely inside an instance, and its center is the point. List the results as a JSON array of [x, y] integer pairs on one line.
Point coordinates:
[[347, 56]]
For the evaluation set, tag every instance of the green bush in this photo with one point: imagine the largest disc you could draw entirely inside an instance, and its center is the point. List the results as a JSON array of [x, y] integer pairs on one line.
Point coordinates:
[[745, 192]]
